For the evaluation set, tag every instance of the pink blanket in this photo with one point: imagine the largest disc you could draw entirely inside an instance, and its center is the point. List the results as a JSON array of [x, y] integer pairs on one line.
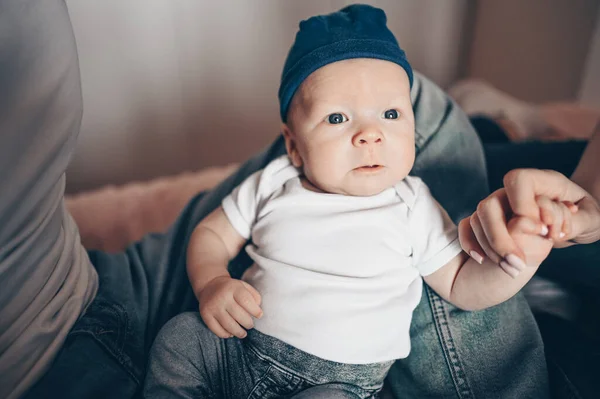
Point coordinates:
[[112, 217]]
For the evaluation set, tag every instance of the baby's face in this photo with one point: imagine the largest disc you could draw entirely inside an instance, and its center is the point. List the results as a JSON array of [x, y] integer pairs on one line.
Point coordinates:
[[351, 127]]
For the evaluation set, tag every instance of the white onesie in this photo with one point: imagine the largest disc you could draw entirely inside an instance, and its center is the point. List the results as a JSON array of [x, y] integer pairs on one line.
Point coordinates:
[[339, 275]]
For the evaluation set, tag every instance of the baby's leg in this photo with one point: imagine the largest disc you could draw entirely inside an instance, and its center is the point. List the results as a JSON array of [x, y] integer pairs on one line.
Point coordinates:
[[187, 360]]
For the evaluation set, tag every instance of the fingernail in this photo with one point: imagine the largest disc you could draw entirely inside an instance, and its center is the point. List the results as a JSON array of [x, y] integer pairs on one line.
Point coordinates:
[[544, 231], [510, 270], [475, 255], [260, 315], [244, 335], [515, 262]]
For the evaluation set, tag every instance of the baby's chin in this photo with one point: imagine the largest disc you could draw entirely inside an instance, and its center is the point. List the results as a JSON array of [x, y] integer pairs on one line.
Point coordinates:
[[361, 183], [364, 190], [367, 186]]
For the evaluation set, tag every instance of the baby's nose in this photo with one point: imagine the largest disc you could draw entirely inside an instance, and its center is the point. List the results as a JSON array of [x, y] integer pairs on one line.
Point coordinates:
[[367, 137]]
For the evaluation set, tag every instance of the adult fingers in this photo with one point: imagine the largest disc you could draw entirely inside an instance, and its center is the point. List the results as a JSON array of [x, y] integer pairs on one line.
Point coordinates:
[[523, 186], [521, 226], [468, 241], [492, 213], [586, 222], [482, 239]]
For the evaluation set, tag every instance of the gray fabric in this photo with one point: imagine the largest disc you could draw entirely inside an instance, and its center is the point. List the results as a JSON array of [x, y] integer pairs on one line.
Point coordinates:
[[188, 360], [41, 257]]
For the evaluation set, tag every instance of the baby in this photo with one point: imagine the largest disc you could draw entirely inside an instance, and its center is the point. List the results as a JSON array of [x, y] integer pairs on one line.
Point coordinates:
[[342, 237]]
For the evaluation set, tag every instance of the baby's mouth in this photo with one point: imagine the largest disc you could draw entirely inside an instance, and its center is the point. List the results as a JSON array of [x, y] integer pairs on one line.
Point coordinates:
[[372, 167]]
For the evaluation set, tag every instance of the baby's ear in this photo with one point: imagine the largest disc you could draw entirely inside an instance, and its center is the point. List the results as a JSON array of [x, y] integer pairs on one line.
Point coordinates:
[[291, 145]]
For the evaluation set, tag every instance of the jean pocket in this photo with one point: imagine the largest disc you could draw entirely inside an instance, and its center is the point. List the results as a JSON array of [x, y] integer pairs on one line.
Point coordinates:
[[277, 383], [110, 325]]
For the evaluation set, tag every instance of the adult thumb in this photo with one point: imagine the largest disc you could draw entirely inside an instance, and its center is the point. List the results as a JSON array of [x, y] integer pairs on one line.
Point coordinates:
[[585, 222]]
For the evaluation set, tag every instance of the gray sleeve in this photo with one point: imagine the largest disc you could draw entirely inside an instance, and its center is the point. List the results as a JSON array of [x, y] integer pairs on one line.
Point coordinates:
[[40, 110], [46, 277]]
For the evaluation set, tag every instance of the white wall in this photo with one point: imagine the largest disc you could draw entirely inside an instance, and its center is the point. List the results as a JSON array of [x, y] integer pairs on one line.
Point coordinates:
[[182, 84], [589, 91]]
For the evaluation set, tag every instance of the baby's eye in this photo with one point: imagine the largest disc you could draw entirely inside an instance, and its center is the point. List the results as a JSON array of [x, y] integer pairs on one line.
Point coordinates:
[[390, 114], [336, 118]]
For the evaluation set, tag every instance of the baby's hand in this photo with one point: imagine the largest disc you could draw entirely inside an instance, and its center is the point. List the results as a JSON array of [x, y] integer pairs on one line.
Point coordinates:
[[555, 217], [227, 305]]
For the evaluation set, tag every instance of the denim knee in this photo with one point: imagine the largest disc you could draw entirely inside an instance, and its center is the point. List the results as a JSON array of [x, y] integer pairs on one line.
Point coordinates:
[[186, 332]]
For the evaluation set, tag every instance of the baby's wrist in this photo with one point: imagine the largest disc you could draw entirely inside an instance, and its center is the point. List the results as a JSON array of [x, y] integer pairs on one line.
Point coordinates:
[[200, 285]]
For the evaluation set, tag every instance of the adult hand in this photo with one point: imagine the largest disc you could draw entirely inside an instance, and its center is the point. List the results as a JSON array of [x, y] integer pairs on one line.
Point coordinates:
[[526, 193]]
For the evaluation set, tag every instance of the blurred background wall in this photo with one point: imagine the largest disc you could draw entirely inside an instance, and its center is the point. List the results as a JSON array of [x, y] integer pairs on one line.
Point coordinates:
[[179, 85], [534, 49]]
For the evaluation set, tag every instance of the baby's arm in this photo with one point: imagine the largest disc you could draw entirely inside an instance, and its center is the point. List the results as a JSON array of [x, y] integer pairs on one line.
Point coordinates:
[[473, 286], [213, 243], [226, 304]]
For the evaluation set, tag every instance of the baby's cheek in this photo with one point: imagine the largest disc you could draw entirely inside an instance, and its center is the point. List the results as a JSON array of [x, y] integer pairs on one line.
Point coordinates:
[[323, 173]]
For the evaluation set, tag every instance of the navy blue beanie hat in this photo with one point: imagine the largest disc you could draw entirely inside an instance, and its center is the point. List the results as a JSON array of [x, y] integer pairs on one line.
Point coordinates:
[[356, 31]]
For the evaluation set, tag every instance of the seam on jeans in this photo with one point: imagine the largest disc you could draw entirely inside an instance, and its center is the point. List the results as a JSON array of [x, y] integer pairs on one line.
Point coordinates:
[[111, 353], [123, 331], [260, 381], [123, 324], [275, 365], [287, 370], [442, 326], [293, 383], [573, 392]]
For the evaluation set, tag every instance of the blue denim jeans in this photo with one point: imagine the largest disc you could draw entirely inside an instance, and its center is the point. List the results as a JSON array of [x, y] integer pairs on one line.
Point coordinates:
[[493, 353], [190, 361]]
